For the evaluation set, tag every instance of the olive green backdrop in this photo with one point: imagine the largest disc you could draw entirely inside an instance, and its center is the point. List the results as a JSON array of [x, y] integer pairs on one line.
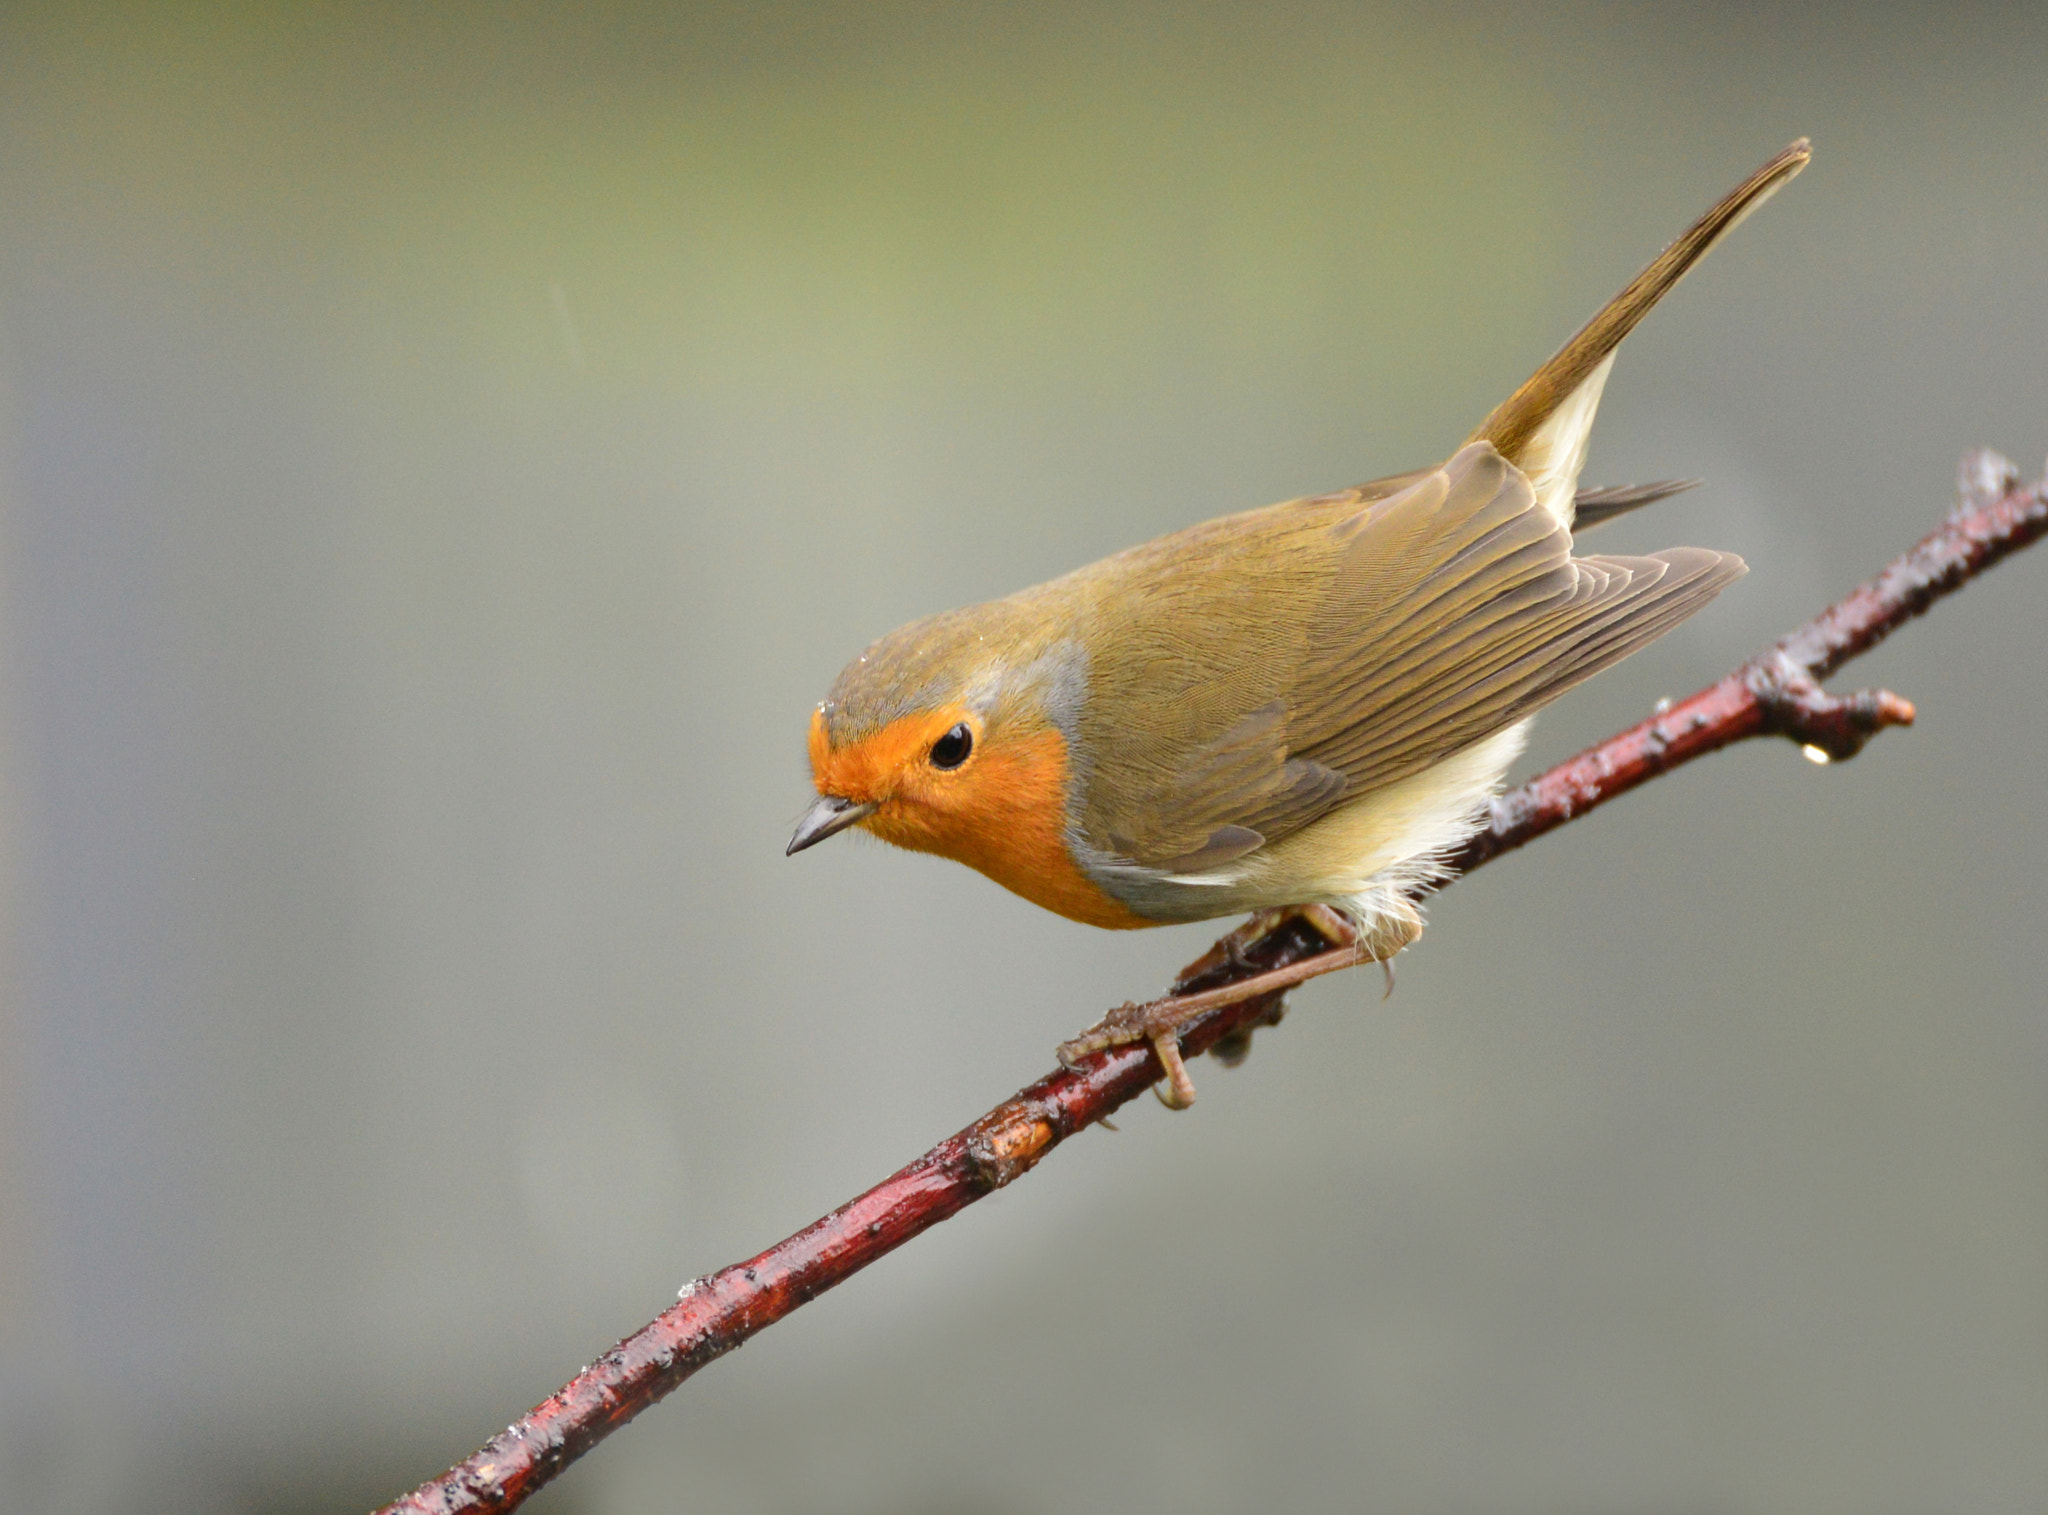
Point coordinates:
[[445, 452]]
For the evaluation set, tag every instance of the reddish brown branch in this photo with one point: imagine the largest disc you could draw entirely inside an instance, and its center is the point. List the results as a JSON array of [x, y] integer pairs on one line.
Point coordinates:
[[1776, 694]]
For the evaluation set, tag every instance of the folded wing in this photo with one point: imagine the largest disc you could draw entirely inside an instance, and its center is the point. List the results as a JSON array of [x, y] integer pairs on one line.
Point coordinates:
[[1446, 612]]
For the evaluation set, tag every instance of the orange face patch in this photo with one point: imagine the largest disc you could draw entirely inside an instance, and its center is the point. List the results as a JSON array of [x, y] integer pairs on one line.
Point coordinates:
[[1002, 812]]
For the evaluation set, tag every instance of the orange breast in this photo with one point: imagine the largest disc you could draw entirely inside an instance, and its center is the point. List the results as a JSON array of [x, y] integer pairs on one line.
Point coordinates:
[[1004, 814]]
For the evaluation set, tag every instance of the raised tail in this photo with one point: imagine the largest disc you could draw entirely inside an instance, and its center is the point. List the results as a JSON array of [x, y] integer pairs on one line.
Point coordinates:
[[1542, 427]]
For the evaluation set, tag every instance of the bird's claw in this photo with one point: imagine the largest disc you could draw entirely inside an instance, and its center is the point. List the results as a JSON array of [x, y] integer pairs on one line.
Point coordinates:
[[1158, 1022], [1178, 1090]]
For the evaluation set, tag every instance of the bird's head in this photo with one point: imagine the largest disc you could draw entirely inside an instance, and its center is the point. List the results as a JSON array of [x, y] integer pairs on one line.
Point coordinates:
[[956, 735]]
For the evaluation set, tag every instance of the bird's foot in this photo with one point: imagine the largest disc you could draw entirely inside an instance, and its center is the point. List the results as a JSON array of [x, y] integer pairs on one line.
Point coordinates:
[[1328, 922], [1156, 1022], [1160, 1021]]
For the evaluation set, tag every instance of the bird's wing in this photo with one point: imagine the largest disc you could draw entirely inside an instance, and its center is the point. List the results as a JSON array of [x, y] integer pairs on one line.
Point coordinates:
[[1456, 609], [1590, 507], [1434, 618], [1228, 797]]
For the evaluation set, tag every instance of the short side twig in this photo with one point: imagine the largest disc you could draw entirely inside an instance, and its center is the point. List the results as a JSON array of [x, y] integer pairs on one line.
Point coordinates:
[[1777, 694]]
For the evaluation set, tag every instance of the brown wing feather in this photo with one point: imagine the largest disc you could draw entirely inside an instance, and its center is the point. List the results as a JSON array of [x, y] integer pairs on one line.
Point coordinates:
[[1590, 507], [1233, 793], [1502, 627], [1405, 630]]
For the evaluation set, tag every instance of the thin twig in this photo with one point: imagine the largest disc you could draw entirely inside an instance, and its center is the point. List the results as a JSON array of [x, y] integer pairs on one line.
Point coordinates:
[[1776, 694]]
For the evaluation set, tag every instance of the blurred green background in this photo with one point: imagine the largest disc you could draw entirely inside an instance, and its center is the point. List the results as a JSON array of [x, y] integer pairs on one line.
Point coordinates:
[[445, 452]]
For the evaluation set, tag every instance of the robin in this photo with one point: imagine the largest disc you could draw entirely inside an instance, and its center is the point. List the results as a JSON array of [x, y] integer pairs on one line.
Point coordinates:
[[1304, 707]]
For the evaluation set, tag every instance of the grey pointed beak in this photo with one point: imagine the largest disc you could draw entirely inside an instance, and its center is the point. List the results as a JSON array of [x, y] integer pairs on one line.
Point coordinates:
[[829, 814]]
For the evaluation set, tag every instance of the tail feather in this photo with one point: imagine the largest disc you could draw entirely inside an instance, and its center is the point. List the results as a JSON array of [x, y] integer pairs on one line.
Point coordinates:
[[1596, 507], [1542, 427]]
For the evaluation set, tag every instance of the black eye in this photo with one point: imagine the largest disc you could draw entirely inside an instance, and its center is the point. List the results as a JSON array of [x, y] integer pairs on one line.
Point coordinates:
[[951, 750]]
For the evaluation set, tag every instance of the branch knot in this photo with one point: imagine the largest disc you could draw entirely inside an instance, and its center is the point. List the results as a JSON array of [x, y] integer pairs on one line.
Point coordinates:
[[1795, 706], [1008, 1142]]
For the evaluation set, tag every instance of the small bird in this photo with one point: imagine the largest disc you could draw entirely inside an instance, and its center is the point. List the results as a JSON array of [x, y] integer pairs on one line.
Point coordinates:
[[1307, 706]]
